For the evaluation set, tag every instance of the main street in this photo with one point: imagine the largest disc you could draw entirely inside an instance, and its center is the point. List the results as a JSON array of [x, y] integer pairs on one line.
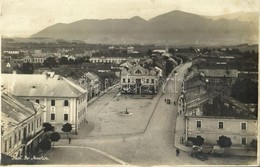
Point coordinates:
[[144, 138]]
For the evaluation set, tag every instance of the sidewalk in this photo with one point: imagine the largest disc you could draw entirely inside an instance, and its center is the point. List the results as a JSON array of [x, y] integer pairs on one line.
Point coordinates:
[[179, 140]]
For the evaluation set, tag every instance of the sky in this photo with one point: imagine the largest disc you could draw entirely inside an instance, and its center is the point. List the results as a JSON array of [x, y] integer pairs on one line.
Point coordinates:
[[22, 18]]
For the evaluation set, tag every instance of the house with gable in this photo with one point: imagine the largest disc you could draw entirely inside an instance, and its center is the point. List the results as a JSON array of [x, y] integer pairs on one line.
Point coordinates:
[[139, 79]]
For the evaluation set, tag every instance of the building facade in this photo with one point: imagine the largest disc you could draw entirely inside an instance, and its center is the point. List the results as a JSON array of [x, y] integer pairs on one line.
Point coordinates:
[[240, 131], [65, 102], [90, 81], [139, 80], [115, 59], [21, 123]]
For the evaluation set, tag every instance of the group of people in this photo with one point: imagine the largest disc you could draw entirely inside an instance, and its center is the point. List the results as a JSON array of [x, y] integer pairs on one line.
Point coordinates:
[[168, 101]]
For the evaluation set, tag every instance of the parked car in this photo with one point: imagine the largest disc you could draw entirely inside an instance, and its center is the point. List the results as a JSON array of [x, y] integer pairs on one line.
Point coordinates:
[[200, 156], [197, 153]]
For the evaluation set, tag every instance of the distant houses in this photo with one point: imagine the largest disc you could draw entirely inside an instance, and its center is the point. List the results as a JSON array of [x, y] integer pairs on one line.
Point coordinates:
[[65, 101], [114, 58], [21, 126], [36, 57], [220, 76]]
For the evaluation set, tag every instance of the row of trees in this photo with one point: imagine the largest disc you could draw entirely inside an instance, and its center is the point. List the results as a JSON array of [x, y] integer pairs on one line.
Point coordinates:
[[245, 91], [223, 142], [51, 136], [52, 62]]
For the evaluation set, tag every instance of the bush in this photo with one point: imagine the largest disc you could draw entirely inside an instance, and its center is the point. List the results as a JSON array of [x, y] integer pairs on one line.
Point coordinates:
[[47, 127], [198, 141], [224, 141], [67, 128]]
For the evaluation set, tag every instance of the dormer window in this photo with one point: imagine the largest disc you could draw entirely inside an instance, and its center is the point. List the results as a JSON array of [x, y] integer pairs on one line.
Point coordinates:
[[138, 72]]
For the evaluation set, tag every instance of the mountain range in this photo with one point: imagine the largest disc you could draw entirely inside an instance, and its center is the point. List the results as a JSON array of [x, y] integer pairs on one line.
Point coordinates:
[[175, 27]]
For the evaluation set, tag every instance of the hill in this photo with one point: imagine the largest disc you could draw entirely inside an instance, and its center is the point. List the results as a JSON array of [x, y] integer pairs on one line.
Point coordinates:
[[175, 27]]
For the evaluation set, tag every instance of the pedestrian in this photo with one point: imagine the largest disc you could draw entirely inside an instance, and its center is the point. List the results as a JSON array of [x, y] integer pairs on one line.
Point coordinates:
[[180, 112], [177, 152], [165, 100], [69, 140], [182, 140]]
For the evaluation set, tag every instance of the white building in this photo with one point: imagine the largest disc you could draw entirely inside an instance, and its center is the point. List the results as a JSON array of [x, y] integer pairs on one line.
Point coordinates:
[[65, 101], [139, 80]]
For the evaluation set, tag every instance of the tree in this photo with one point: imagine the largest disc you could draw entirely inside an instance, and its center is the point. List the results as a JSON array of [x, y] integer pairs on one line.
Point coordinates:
[[224, 141], [149, 52], [47, 127], [254, 144], [45, 144], [27, 68], [55, 136], [80, 60], [50, 62], [67, 128], [63, 60], [169, 67], [198, 141], [245, 91], [172, 51]]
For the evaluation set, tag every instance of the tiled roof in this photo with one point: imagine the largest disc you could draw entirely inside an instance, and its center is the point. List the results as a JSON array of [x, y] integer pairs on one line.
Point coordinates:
[[14, 110], [40, 85], [91, 76], [220, 73]]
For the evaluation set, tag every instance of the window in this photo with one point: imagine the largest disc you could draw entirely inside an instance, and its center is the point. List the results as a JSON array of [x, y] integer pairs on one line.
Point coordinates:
[[52, 117], [128, 80], [138, 72], [52, 102], [19, 135], [32, 126], [15, 138], [29, 128], [37, 101], [66, 117], [152, 81], [220, 125], [5, 146], [243, 126], [147, 80], [243, 141], [10, 143], [198, 124], [66, 102], [123, 80]]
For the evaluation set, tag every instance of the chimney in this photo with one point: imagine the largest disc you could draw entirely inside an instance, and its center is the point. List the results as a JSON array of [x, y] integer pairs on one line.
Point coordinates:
[[50, 74]]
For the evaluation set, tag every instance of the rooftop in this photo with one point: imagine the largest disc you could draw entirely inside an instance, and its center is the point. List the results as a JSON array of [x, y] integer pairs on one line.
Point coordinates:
[[14, 111], [44, 85], [220, 73]]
